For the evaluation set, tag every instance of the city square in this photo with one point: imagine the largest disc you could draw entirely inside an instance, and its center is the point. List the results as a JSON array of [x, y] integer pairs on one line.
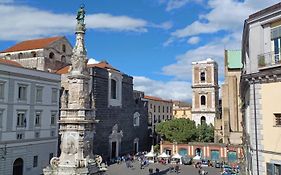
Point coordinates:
[[188, 87], [121, 169]]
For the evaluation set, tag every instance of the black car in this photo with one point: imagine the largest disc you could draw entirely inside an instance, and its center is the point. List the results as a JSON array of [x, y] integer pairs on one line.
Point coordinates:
[[218, 165], [186, 160]]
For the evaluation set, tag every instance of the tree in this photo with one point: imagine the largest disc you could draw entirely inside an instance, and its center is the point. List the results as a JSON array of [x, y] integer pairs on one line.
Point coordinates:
[[179, 130], [184, 131], [205, 133]]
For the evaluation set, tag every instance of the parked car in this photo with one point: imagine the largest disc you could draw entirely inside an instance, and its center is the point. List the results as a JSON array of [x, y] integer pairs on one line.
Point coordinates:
[[186, 160], [204, 163], [218, 164]]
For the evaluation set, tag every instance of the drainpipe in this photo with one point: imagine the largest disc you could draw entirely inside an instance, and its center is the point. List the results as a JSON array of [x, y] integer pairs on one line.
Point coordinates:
[[256, 132]]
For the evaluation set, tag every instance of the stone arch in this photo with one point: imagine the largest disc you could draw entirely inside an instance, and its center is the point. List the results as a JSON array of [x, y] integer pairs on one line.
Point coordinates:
[[18, 167], [203, 100]]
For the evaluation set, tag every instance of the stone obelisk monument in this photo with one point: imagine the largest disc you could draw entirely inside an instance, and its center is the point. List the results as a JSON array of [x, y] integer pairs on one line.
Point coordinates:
[[77, 117]]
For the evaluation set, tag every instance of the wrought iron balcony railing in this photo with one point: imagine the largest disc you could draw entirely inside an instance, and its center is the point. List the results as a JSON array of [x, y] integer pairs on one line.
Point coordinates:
[[269, 59]]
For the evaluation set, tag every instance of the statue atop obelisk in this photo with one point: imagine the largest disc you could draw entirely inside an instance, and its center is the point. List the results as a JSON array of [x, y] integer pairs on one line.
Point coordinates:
[[77, 118]]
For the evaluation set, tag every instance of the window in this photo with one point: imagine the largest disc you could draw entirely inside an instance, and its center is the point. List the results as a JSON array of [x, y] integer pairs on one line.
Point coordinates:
[[22, 92], [154, 108], [159, 118], [150, 106], [136, 119], [51, 55], [35, 161], [203, 100], [202, 76], [1, 117], [149, 119], [183, 112], [163, 117], [20, 136], [37, 134], [39, 94], [63, 48], [54, 95], [113, 89], [203, 120], [52, 133], [63, 59], [20, 55], [167, 109], [159, 109], [277, 119], [275, 40], [163, 109], [33, 54], [2, 90], [37, 118], [155, 120], [53, 118], [21, 119]]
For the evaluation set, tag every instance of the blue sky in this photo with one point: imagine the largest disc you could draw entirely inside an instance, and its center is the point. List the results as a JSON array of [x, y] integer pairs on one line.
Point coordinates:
[[154, 41]]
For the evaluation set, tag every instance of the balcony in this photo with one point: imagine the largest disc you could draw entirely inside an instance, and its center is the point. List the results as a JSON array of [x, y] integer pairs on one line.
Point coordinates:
[[269, 60]]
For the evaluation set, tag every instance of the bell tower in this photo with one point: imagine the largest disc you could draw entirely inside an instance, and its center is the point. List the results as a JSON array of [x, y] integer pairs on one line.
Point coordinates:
[[205, 91]]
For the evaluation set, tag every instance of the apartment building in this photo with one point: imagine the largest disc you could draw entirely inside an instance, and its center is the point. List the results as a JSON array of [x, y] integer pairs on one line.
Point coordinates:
[[260, 91], [158, 110], [29, 107]]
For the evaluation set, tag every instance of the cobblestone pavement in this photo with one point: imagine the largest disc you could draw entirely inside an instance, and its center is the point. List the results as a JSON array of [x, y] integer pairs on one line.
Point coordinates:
[[121, 169]]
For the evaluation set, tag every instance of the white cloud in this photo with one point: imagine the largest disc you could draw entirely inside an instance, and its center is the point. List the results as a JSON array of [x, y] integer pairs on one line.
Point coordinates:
[[174, 90], [165, 25], [182, 68], [92, 61], [193, 40], [175, 4], [19, 22], [227, 15]]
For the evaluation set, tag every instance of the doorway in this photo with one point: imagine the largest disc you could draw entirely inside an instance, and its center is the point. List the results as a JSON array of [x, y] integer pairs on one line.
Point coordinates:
[[18, 167], [113, 149]]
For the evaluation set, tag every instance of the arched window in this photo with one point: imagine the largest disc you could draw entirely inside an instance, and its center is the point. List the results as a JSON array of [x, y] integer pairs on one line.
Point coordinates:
[[8, 57], [203, 120], [203, 100], [20, 55], [113, 89], [51, 55], [33, 54], [63, 48], [136, 119], [202, 77]]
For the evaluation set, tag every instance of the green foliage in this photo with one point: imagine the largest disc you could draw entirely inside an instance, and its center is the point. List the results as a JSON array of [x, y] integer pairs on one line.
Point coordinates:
[[205, 133], [184, 131], [156, 148], [179, 130]]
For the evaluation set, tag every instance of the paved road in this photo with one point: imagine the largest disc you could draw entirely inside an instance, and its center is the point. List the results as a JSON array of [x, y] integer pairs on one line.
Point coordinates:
[[121, 169]]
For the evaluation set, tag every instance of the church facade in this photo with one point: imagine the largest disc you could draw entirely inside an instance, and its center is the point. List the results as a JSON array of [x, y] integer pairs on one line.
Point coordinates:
[[122, 113]]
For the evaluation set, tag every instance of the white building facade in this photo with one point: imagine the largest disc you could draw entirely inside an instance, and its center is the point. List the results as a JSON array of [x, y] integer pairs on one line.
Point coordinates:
[[29, 107], [205, 95]]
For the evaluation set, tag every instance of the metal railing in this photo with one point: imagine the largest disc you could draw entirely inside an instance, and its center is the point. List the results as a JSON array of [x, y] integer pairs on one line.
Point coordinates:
[[269, 59]]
